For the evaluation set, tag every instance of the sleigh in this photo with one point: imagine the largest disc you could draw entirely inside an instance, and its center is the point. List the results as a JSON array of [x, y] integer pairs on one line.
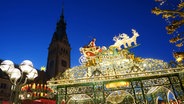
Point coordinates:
[[92, 54], [89, 53]]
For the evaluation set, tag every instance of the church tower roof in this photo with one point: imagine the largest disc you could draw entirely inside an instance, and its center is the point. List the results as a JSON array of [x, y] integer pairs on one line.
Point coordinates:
[[60, 32]]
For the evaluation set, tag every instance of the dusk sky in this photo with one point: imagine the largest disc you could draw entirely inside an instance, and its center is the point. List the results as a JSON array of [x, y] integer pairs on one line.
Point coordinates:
[[27, 26]]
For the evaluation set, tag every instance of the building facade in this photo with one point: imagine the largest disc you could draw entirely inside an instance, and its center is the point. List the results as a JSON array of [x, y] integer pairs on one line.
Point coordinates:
[[5, 87]]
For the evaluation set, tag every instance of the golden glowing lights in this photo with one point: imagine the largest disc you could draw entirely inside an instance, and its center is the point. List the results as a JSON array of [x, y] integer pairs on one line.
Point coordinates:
[[179, 59], [117, 84], [179, 56], [37, 90]]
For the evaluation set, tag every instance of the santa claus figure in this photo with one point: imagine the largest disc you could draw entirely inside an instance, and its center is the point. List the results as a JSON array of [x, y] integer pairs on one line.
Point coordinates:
[[92, 43]]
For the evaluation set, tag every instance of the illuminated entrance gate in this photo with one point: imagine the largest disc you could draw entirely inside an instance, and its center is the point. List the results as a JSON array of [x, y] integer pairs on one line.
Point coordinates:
[[116, 76], [140, 90]]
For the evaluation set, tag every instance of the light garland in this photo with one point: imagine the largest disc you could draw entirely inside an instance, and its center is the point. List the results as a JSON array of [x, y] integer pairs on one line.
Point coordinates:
[[36, 91]]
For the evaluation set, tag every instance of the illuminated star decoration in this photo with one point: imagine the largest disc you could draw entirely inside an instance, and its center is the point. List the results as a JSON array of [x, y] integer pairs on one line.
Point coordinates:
[[43, 68]]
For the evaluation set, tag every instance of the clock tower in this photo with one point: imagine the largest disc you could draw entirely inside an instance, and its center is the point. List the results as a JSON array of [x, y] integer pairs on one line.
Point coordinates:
[[59, 50]]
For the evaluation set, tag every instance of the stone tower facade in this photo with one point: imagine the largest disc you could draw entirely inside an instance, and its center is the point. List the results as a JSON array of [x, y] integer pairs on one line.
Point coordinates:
[[59, 50]]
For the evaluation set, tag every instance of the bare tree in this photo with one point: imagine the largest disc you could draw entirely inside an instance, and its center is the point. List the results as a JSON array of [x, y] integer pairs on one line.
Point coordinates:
[[176, 17]]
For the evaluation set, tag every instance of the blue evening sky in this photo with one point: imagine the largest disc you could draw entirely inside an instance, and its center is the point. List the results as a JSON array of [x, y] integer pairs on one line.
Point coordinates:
[[27, 26]]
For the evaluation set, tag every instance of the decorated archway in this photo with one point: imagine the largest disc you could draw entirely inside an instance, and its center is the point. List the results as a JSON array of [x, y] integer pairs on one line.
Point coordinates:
[[117, 97], [162, 94]]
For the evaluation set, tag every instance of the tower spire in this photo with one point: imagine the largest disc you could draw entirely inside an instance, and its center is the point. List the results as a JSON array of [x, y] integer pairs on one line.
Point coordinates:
[[60, 27], [62, 14]]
